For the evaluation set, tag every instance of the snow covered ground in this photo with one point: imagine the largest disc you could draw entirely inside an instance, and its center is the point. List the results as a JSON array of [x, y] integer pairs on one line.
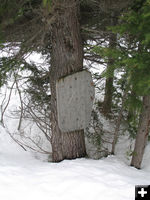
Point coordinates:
[[22, 176]]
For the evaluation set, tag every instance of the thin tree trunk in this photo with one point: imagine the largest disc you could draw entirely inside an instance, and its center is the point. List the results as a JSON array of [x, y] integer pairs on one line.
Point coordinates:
[[66, 58], [142, 134], [118, 123], [107, 104]]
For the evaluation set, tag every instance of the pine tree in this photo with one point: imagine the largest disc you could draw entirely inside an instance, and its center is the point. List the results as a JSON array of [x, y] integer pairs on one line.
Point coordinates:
[[134, 58]]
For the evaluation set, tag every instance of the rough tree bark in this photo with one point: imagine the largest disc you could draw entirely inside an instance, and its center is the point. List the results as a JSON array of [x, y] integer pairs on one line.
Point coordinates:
[[142, 134], [66, 58]]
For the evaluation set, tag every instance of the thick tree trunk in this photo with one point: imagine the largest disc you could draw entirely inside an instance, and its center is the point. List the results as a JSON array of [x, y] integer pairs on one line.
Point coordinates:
[[66, 58], [142, 133]]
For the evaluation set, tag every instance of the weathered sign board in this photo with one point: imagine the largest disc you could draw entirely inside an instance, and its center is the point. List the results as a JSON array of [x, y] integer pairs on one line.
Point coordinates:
[[75, 95]]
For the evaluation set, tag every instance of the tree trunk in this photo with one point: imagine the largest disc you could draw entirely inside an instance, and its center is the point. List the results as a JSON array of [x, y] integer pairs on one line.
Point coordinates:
[[107, 104], [66, 58], [118, 122], [142, 133]]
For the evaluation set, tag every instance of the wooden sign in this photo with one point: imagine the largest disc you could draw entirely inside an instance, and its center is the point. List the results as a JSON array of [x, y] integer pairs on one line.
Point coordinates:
[[75, 95]]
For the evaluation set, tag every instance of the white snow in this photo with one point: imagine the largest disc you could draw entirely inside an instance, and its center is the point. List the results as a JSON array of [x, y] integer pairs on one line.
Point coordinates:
[[22, 176]]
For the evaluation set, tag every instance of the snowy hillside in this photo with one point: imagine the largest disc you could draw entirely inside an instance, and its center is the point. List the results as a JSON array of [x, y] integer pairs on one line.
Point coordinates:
[[22, 176]]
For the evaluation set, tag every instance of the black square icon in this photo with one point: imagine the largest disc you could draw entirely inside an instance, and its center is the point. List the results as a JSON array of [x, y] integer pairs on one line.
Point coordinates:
[[142, 192]]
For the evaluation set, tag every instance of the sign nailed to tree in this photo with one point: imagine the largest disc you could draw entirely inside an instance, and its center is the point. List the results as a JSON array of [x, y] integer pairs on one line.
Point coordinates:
[[75, 95]]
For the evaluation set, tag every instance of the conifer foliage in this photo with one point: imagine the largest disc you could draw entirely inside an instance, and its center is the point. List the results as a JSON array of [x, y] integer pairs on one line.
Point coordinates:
[[131, 55]]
